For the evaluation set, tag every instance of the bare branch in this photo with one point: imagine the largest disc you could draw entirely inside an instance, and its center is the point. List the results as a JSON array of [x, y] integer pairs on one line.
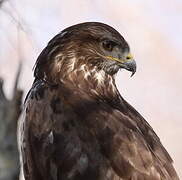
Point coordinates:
[[9, 113]]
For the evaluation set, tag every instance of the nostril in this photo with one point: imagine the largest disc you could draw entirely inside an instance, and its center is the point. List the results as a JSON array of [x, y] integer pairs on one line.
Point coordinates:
[[129, 56]]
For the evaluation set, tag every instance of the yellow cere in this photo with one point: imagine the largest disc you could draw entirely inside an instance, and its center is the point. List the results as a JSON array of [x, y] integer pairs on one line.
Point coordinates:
[[128, 58]]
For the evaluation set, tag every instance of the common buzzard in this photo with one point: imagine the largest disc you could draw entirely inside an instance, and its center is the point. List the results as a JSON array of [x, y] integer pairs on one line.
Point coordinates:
[[76, 125]]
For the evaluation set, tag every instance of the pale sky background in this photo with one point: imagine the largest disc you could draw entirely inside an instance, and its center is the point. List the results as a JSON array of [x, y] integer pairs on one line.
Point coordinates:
[[153, 29]]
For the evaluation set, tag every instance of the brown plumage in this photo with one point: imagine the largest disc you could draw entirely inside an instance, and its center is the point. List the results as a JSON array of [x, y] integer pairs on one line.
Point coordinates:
[[76, 125]]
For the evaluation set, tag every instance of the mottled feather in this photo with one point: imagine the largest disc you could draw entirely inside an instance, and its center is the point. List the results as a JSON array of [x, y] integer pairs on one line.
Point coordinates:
[[76, 125]]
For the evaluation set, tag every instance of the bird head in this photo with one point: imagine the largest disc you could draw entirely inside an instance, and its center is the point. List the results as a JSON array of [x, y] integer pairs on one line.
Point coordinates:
[[101, 45], [92, 44]]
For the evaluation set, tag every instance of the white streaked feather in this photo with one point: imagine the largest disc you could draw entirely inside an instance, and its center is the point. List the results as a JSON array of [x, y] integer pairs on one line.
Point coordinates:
[[100, 76], [71, 65]]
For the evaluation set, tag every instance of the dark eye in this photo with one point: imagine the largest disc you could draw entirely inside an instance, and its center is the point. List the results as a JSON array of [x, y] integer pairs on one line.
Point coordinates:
[[108, 45]]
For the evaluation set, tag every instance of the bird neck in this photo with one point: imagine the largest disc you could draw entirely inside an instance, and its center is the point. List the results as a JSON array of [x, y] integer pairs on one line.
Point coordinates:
[[82, 78], [91, 81]]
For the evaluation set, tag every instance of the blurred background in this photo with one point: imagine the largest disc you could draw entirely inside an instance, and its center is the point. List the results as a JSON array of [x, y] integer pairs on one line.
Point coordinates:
[[153, 29]]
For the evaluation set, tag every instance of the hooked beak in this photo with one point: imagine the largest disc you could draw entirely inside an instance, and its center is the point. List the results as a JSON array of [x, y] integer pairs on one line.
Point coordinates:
[[127, 63], [130, 66]]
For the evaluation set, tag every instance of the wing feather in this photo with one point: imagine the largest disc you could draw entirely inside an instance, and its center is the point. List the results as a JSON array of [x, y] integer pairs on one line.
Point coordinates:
[[136, 153], [61, 139]]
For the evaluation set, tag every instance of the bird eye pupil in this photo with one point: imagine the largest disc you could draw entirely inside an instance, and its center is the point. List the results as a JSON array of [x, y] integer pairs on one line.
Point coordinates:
[[108, 45]]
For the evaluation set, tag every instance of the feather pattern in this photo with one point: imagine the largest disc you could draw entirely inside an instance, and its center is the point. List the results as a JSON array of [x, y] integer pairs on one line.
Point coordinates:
[[77, 126]]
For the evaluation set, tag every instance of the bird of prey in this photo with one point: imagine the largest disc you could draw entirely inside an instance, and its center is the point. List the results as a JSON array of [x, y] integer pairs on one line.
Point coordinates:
[[76, 125]]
